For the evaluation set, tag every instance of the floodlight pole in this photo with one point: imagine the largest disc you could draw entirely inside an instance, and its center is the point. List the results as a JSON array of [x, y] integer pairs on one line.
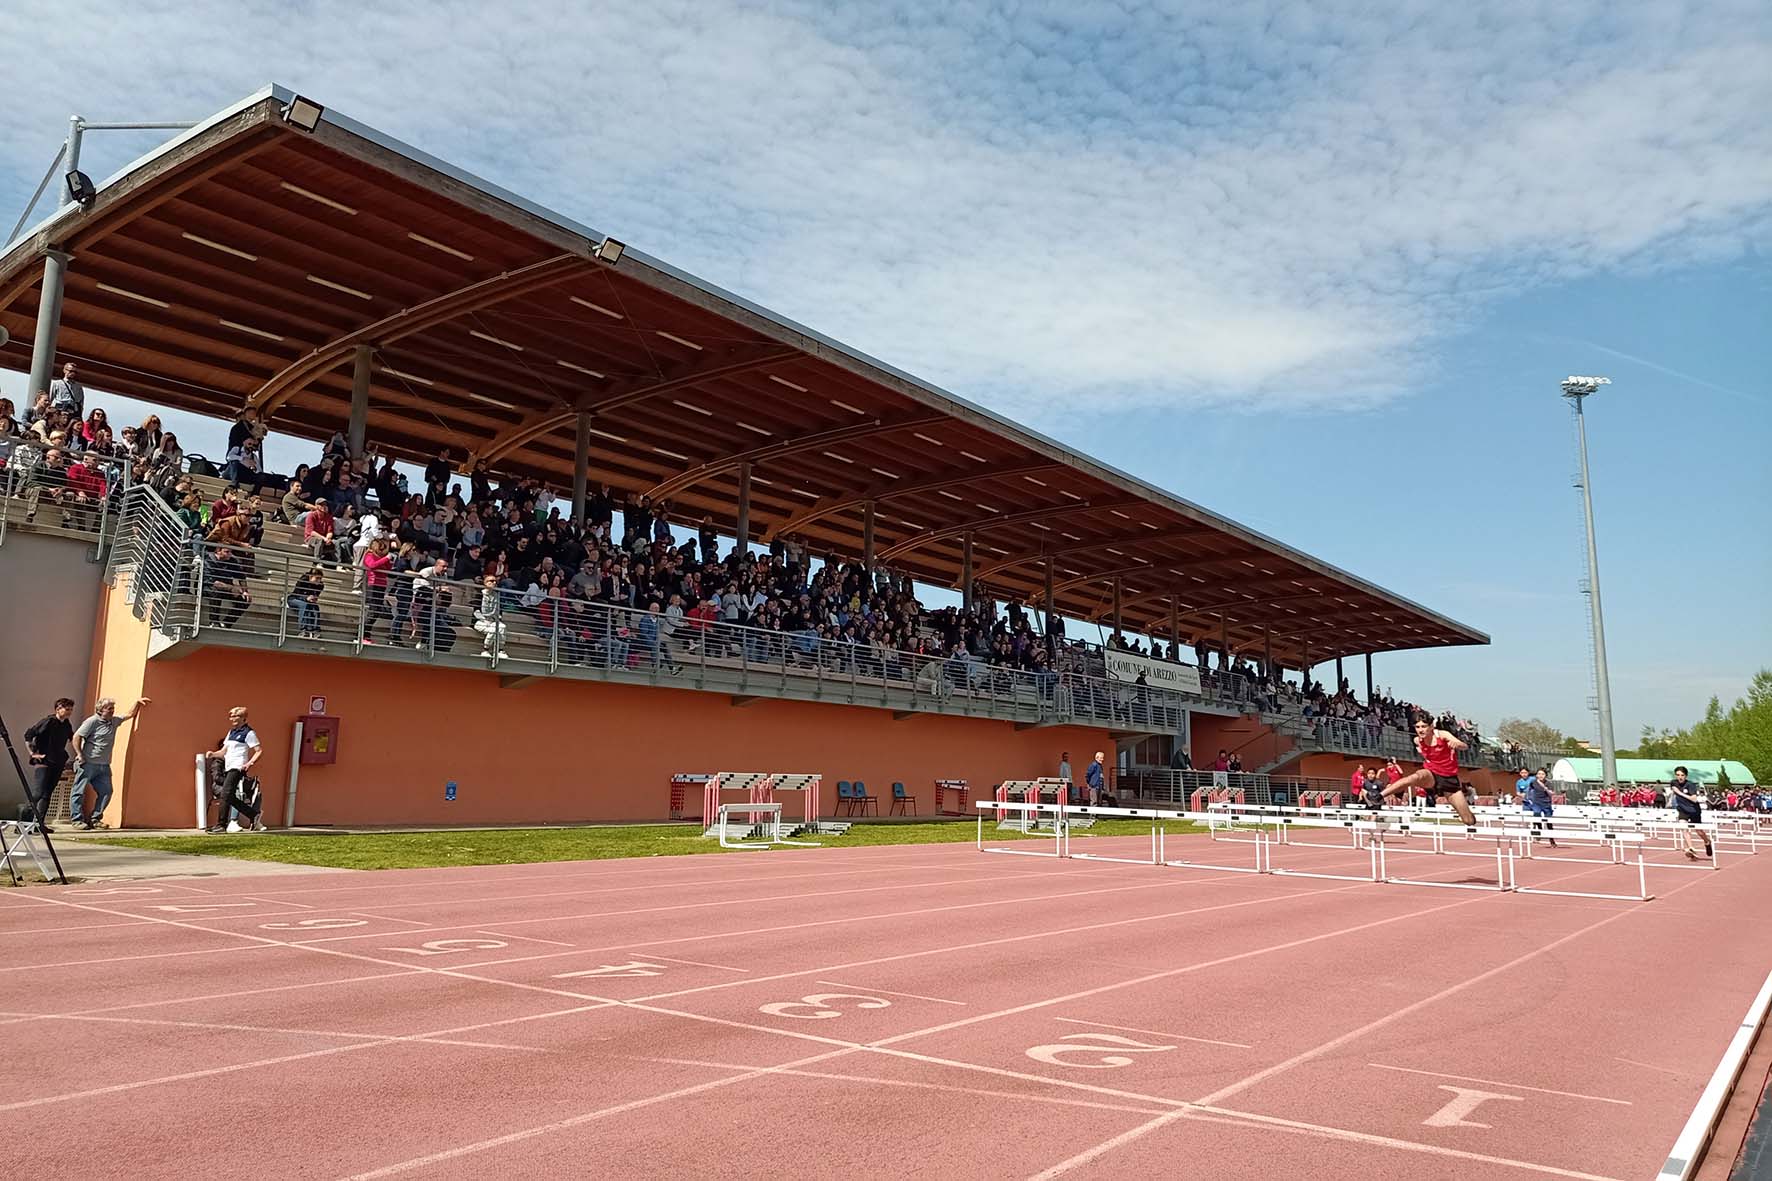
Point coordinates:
[[1577, 389], [55, 262]]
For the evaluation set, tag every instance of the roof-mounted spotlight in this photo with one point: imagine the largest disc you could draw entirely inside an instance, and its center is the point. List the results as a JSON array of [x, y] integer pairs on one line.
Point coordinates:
[[1581, 387], [303, 113], [611, 251], [81, 190]]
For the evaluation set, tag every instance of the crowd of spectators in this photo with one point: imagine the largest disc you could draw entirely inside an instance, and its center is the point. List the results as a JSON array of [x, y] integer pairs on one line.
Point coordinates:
[[621, 586]]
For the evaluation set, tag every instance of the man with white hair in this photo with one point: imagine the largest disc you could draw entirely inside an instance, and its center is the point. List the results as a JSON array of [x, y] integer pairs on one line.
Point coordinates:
[[94, 740]]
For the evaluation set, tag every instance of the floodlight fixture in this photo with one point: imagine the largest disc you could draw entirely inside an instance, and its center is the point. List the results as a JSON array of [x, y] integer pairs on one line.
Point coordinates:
[[81, 190], [303, 113], [610, 251], [1581, 387]]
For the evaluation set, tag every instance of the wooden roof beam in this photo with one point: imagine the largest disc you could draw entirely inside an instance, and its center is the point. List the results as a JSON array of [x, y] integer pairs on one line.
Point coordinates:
[[485, 293], [894, 489], [543, 421]]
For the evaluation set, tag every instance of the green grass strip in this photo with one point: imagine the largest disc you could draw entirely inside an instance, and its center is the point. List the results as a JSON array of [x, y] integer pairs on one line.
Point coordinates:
[[521, 846]]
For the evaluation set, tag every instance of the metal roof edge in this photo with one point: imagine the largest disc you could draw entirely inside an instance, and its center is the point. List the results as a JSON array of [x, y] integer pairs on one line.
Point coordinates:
[[271, 90], [926, 389]]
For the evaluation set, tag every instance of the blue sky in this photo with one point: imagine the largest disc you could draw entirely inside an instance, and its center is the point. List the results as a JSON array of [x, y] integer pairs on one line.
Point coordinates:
[[1319, 267]]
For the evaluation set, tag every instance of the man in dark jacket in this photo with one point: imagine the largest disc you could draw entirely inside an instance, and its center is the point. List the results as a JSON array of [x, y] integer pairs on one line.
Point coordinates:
[[47, 741]]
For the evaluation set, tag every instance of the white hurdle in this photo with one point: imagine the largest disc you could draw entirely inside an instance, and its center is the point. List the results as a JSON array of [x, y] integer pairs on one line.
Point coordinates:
[[772, 826], [1381, 835]]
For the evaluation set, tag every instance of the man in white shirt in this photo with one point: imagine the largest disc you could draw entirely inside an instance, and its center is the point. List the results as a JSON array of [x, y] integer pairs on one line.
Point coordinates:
[[239, 753]]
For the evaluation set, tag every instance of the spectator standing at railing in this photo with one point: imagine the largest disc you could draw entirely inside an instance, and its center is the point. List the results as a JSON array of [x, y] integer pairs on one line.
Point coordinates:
[[66, 392], [94, 741], [1222, 762], [376, 563]]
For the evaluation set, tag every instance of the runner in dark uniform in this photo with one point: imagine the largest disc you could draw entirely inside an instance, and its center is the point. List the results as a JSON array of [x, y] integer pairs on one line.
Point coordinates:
[[1688, 806], [1439, 772]]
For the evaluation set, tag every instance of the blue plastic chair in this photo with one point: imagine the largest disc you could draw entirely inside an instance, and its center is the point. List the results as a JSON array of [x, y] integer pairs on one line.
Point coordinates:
[[900, 800], [862, 800], [845, 797]]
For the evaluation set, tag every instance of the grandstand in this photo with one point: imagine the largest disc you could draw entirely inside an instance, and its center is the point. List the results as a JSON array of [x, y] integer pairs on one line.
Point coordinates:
[[340, 286]]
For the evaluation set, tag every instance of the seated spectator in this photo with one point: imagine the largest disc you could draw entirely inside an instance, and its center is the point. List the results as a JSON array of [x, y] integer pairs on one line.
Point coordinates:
[[304, 598], [242, 463], [319, 533], [225, 593]]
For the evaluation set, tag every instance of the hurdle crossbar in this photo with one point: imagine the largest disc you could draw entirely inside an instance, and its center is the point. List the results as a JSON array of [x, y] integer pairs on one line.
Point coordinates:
[[1380, 832]]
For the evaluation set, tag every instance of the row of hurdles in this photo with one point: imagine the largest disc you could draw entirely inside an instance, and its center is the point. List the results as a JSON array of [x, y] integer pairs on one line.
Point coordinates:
[[1382, 835]]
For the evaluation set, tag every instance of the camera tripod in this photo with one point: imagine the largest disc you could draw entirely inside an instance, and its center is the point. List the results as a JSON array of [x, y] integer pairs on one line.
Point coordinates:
[[28, 825]]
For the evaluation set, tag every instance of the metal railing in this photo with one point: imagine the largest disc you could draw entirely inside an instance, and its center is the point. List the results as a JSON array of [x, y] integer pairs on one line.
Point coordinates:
[[209, 590], [1177, 787]]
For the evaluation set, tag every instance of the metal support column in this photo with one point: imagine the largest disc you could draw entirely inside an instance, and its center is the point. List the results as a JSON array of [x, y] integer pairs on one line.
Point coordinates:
[[966, 570], [744, 509], [363, 365], [1267, 652], [49, 322], [1602, 679], [581, 469], [1368, 678], [1174, 630], [1224, 641], [1116, 608], [1048, 594], [867, 537], [1338, 674]]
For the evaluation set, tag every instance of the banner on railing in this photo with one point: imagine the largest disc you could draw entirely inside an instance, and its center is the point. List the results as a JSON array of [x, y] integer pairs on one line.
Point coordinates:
[[1125, 666]]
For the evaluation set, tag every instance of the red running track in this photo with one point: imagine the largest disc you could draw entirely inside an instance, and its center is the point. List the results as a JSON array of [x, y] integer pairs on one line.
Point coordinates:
[[916, 1011]]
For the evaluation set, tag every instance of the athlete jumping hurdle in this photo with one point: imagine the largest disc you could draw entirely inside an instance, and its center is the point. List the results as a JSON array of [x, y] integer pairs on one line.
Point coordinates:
[[1439, 772]]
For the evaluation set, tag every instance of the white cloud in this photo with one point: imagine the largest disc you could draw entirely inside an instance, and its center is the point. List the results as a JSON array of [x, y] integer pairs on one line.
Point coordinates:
[[1260, 204]]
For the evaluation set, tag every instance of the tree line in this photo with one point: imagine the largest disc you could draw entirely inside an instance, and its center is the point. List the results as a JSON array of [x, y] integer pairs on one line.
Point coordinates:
[[1743, 732]]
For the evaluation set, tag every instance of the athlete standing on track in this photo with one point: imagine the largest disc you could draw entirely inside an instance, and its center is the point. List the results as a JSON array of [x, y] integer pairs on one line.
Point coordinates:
[[1439, 772], [1688, 805]]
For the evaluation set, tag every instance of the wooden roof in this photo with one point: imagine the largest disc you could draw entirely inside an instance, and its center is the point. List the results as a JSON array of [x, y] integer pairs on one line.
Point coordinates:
[[246, 261]]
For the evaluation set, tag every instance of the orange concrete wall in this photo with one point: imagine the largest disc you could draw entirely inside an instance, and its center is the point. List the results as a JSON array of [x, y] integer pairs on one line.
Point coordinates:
[[549, 751], [119, 668]]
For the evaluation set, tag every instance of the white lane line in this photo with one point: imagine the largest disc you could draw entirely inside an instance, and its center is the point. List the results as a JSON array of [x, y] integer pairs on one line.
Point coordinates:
[[1107, 1146], [1465, 1078], [697, 963], [210, 1072], [1262, 1076], [1649, 1066], [334, 1033], [919, 1085], [888, 992], [387, 918], [577, 1120], [1210, 1041], [524, 938], [1348, 1134]]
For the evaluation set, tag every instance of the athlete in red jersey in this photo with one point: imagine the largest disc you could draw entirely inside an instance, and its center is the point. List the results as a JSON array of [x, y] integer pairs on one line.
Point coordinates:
[[1439, 772]]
